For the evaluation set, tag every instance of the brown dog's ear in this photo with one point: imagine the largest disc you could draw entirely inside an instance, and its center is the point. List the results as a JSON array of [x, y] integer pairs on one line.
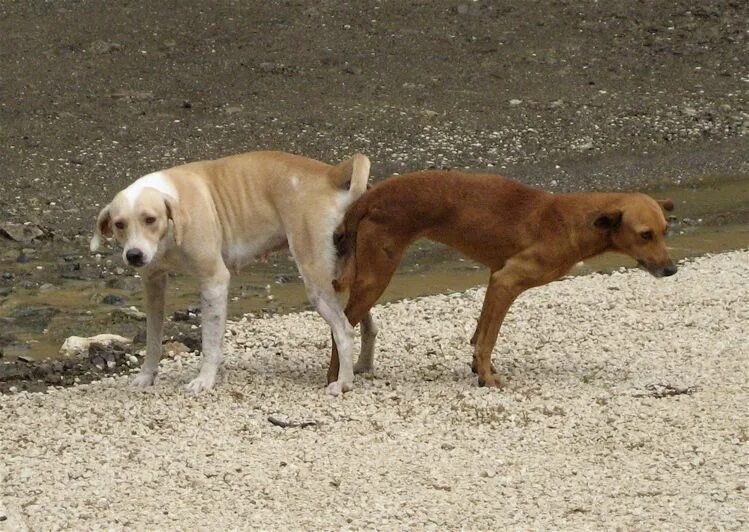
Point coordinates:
[[608, 221], [102, 228], [666, 204], [178, 216]]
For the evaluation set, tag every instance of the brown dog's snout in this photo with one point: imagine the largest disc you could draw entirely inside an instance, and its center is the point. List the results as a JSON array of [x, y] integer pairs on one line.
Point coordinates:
[[659, 270], [669, 270]]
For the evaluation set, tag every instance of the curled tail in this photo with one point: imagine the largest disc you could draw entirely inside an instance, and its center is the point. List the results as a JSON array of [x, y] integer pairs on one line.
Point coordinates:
[[344, 239], [354, 171]]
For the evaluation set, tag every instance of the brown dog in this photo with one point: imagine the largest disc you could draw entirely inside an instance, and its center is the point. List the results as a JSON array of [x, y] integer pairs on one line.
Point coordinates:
[[527, 237]]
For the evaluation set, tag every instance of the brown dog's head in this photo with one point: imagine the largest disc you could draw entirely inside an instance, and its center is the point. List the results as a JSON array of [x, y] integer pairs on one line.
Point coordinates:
[[138, 218], [637, 228]]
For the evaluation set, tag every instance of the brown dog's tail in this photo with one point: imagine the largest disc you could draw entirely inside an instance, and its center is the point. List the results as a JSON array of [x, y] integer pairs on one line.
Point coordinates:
[[344, 239]]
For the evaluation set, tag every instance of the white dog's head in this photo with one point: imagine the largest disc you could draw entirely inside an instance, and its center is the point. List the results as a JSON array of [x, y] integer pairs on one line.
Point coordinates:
[[139, 219]]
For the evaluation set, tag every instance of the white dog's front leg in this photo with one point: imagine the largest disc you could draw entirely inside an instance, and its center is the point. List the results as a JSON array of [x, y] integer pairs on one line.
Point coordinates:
[[213, 296], [155, 294]]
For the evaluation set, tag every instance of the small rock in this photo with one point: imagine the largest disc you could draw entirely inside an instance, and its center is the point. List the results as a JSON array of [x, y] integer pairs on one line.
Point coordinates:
[[123, 283], [112, 299], [21, 233], [128, 313], [192, 340], [515, 101], [690, 111], [104, 47], [352, 70], [34, 317], [180, 315], [175, 348], [75, 345]]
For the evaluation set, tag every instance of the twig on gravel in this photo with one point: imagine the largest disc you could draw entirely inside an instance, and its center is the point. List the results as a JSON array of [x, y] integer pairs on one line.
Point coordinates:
[[660, 391], [290, 424]]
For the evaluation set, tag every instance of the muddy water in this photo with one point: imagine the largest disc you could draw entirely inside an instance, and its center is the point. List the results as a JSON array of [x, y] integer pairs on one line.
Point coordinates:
[[711, 216]]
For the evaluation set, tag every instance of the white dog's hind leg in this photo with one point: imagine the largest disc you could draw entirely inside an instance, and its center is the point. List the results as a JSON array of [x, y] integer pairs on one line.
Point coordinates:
[[155, 293], [343, 334], [365, 363], [213, 295]]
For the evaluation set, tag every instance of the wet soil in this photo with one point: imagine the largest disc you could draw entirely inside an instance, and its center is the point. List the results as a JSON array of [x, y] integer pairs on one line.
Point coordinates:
[[91, 297]]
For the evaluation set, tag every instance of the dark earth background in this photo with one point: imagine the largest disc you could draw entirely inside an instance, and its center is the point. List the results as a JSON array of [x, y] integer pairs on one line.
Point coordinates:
[[567, 95], [617, 94]]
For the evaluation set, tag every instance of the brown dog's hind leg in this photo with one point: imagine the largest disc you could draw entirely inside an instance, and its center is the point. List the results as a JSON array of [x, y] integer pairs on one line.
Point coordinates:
[[365, 362], [375, 265], [334, 365]]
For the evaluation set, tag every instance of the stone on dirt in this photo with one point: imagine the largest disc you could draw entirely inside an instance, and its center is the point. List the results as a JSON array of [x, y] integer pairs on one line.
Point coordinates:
[[75, 345]]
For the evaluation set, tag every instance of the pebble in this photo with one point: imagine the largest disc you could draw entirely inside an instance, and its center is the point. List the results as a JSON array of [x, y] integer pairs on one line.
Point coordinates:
[[112, 299]]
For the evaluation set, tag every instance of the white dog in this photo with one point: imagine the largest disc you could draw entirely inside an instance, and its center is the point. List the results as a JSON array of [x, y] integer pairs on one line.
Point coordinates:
[[209, 217]]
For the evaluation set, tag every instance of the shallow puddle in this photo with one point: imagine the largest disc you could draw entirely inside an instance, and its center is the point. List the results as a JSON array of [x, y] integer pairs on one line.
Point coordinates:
[[711, 216]]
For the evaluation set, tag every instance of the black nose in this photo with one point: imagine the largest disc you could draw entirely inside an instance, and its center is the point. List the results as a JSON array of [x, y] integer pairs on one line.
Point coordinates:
[[134, 257], [668, 271]]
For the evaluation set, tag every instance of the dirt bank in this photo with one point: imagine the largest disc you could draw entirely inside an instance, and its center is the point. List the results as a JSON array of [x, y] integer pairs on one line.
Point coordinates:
[[566, 94], [626, 407]]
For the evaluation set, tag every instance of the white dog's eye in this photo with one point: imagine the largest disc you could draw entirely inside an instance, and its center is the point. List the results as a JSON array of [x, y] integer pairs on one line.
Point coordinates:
[[150, 220], [119, 225]]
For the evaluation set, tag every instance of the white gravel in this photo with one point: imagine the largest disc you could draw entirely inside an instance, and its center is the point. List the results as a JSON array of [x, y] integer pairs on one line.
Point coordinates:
[[578, 440]]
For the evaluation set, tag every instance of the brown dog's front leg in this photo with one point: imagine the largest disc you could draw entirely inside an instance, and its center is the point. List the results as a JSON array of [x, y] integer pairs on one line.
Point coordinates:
[[334, 364], [474, 365], [499, 296]]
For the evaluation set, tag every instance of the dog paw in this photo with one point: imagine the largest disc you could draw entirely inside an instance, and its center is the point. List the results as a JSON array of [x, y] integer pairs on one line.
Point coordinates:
[[201, 383], [475, 368], [143, 380], [363, 368], [336, 388], [491, 381]]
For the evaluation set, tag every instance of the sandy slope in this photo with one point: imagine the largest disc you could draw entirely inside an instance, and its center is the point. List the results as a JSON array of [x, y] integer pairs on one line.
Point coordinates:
[[579, 439]]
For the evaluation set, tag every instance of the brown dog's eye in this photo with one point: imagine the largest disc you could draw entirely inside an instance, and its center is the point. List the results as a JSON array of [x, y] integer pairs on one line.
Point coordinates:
[[150, 220], [647, 235], [120, 225]]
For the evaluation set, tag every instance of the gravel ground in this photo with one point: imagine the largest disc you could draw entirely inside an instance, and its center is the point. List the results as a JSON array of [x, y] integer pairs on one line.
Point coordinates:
[[626, 408]]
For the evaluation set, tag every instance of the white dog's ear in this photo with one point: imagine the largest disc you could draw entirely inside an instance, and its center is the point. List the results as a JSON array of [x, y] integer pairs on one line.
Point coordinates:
[[102, 228], [178, 216]]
